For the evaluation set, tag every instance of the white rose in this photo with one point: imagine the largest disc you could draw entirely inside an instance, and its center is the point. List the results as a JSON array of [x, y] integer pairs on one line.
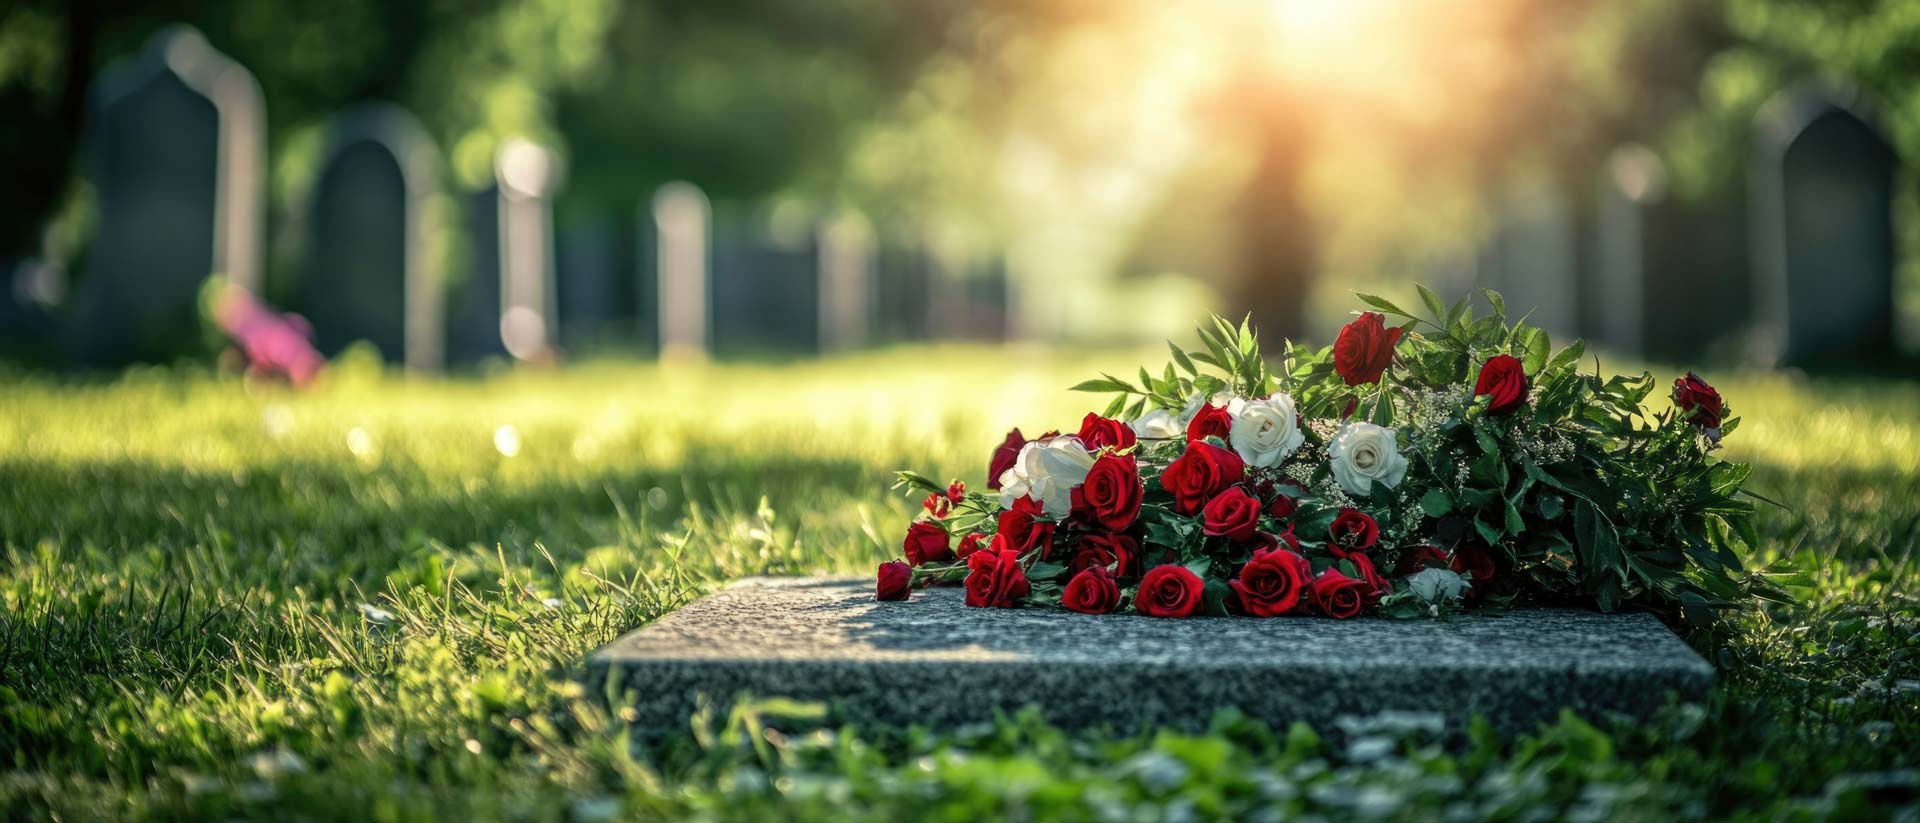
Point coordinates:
[[1158, 424], [1363, 454], [1436, 586], [1047, 472], [1265, 432]]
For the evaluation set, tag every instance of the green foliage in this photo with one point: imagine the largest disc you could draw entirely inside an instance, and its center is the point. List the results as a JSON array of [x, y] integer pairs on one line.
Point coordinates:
[[182, 561]]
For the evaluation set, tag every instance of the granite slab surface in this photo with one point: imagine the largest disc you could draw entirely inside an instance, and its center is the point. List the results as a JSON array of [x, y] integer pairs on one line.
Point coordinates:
[[935, 662]]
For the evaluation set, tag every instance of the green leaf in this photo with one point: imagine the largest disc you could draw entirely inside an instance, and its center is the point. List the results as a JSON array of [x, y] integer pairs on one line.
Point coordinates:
[[1433, 301], [1107, 384], [1213, 599], [1498, 303], [1538, 346], [1383, 410], [1436, 503], [1568, 355], [1514, 524], [1199, 567], [1180, 358], [1382, 304], [1114, 406], [1046, 570]]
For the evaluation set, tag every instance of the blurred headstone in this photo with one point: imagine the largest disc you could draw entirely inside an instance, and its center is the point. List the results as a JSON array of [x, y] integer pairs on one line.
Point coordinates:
[[506, 304], [473, 304], [766, 286], [846, 282], [596, 279], [29, 290], [1669, 275], [370, 271], [1531, 260], [176, 146], [528, 175], [1822, 234], [682, 221], [903, 294]]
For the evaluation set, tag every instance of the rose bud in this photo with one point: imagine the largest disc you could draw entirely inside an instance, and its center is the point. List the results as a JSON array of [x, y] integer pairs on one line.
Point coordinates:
[[1203, 471], [926, 543], [1364, 349], [1232, 514], [1169, 591], [1474, 563], [1110, 496], [1004, 457], [1699, 403], [895, 579], [995, 579], [1210, 421], [1092, 591], [1282, 505], [1272, 583], [937, 505], [968, 545], [1504, 381], [1098, 432], [1337, 595], [1352, 530]]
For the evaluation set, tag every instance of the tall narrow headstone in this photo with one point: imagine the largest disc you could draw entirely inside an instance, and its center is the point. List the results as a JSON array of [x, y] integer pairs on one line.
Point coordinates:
[[1531, 260], [1822, 234], [904, 291], [371, 274], [528, 177], [176, 146], [682, 222], [846, 282], [1669, 274]]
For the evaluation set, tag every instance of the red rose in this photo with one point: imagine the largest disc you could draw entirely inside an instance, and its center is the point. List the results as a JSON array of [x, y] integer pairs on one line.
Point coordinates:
[[968, 545], [1169, 591], [1271, 584], [1108, 549], [1474, 563], [1097, 431], [1282, 504], [1004, 457], [1203, 471], [1413, 560], [926, 543], [1023, 530], [1699, 403], [1211, 421], [1503, 379], [895, 579], [1232, 514], [1352, 530], [1092, 591], [1377, 586], [1364, 349], [1110, 496], [1337, 595], [995, 579]]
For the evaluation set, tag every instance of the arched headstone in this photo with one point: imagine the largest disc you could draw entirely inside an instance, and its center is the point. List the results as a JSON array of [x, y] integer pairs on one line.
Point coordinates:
[[1822, 232], [176, 147], [370, 273], [766, 286]]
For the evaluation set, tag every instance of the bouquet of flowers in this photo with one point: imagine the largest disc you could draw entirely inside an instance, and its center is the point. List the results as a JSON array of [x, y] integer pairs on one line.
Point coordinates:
[[1451, 460]]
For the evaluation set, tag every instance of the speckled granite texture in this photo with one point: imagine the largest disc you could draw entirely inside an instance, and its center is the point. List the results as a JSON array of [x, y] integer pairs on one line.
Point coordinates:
[[933, 661]]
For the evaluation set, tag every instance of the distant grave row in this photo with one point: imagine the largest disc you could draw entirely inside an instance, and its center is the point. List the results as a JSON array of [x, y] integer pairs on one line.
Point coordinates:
[[1795, 269], [177, 143]]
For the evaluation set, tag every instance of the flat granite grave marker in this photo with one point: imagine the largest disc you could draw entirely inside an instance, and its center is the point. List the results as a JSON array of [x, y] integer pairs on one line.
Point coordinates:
[[935, 662]]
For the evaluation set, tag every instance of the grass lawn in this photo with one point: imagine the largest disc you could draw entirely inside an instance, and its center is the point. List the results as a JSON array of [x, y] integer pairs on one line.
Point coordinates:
[[366, 602]]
